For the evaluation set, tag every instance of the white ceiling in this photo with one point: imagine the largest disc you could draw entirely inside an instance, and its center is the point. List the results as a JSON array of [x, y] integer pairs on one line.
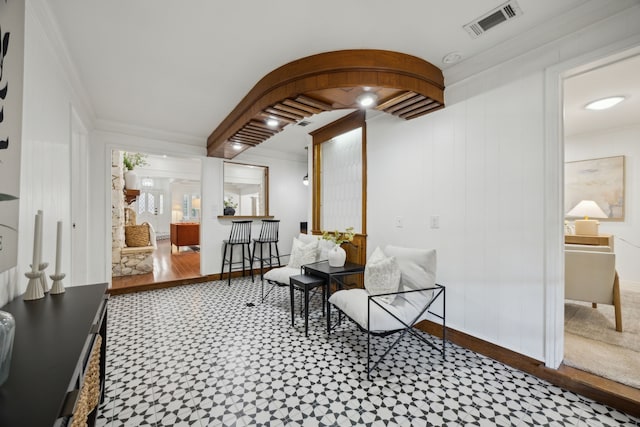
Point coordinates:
[[182, 66], [620, 78]]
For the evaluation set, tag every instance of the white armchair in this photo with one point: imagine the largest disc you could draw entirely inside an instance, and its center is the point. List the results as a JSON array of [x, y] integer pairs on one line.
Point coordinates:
[[382, 310], [590, 276]]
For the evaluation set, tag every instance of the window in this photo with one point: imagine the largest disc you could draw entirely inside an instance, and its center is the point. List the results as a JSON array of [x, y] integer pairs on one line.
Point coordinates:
[[190, 206], [246, 189], [151, 201]]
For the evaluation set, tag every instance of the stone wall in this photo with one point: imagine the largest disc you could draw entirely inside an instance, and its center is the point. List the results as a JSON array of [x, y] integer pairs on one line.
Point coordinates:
[[117, 211], [134, 261], [124, 261]]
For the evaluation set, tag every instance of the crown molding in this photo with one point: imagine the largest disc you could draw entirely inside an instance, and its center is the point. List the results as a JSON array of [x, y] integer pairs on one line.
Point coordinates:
[[110, 126], [49, 26]]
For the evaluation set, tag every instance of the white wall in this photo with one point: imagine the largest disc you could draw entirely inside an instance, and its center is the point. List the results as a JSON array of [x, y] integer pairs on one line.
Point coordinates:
[[477, 165], [46, 164], [617, 142]]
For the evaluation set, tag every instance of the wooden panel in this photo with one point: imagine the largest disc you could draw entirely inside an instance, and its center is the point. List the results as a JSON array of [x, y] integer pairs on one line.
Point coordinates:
[[296, 87], [358, 252]]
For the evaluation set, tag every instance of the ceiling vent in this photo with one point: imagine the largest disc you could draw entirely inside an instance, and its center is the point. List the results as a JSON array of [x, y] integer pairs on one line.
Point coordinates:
[[502, 13], [304, 123]]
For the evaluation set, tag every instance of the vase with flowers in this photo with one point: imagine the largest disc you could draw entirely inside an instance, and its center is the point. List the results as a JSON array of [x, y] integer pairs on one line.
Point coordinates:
[[337, 256], [130, 161], [230, 206]]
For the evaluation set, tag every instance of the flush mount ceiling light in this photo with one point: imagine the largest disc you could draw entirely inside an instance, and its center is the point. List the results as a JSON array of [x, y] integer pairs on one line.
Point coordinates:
[[604, 103], [452, 58], [367, 99], [272, 123]]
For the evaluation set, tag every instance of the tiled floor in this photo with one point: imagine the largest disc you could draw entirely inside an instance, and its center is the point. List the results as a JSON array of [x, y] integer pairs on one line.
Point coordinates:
[[198, 355]]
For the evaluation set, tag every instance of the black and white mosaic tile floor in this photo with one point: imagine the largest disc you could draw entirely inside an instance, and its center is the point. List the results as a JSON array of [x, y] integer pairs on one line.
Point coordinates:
[[198, 355]]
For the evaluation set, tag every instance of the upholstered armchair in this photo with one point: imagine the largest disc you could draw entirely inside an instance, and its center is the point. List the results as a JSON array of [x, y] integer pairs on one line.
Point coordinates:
[[590, 276], [400, 291]]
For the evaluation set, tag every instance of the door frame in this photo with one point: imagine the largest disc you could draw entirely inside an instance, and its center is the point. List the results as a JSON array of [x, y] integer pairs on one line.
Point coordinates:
[[554, 186]]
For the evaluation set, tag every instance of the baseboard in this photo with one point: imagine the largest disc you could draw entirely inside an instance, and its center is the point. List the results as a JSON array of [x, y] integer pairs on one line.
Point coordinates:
[[616, 395]]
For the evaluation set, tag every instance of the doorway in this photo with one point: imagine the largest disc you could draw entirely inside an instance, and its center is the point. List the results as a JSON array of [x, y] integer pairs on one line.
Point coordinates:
[[167, 192], [598, 137]]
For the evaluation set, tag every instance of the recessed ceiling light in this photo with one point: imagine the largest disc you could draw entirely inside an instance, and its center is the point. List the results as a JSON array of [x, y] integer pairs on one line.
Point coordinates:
[[367, 99], [237, 146], [272, 123], [604, 103], [452, 58]]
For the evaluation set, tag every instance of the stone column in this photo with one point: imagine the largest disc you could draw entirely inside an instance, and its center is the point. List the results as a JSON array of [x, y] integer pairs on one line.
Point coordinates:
[[117, 212]]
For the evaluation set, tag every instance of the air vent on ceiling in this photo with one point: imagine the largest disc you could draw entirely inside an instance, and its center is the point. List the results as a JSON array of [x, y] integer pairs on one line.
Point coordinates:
[[502, 13], [304, 123]]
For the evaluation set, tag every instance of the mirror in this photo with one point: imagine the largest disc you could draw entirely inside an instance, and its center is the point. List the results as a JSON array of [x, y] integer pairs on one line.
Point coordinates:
[[246, 190]]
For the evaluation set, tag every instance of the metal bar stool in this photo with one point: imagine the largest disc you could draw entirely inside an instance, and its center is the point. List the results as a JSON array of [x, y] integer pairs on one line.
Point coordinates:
[[240, 235], [269, 237]]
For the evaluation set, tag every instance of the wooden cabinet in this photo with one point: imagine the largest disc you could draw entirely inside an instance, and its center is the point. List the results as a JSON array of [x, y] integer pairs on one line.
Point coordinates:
[[185, 234], [599, 240], [54, 337]]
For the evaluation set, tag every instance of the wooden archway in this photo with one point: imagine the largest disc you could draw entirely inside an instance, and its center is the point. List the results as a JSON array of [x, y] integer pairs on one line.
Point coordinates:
[[405, 86]]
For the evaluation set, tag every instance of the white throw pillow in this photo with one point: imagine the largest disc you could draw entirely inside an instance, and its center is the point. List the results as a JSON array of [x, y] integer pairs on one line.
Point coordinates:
[[302, 253], [382, 275]]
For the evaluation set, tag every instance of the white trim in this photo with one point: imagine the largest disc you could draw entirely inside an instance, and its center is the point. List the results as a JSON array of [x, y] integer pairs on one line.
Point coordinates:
[[110, 126], [554, 188]]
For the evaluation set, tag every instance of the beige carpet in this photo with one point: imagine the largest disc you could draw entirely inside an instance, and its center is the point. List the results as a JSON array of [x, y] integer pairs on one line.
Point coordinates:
[[593, 345]]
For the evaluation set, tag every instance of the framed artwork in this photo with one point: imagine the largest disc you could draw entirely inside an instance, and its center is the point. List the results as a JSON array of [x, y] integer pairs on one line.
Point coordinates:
[[600, 180], [11, 66]]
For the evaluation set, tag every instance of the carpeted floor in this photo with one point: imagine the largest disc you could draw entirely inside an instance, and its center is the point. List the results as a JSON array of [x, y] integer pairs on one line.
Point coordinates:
[[592, 344]]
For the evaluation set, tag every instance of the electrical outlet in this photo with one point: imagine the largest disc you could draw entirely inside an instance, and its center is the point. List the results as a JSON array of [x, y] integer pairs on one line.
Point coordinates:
[[435, 221], [398, 221]]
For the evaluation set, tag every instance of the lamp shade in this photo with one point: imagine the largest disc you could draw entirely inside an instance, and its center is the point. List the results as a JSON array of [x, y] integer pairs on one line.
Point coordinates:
[[587, 209]]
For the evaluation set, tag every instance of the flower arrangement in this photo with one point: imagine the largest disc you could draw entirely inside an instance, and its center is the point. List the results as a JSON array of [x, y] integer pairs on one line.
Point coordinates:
[[229, 203], [131, 160], [339, 237]]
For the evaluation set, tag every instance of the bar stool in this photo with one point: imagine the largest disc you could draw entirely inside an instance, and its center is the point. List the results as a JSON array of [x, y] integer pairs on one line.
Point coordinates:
[[269, 237], [240, 235]]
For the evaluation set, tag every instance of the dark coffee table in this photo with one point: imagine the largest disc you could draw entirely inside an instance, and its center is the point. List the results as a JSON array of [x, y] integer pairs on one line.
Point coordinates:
[[332, 274]]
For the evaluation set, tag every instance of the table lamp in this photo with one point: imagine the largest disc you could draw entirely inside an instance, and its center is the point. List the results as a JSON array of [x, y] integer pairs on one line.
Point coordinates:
[[587, 209]]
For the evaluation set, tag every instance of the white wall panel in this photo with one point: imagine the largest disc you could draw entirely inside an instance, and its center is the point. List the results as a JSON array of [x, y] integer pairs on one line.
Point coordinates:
[[46, 163], [478, 166]]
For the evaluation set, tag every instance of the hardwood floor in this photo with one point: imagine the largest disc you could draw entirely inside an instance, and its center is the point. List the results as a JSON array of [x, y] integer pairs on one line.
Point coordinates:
[[169, 269]]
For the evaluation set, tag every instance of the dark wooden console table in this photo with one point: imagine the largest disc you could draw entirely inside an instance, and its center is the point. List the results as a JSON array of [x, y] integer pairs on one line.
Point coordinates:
[[53, 339]]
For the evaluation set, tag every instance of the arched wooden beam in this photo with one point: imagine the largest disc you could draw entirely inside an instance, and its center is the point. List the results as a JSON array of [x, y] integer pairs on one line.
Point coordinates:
[[405, 85]]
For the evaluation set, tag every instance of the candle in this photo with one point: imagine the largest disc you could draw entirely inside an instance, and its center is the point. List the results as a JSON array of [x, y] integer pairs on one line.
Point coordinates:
[[36, 250], [40, 217], [59, 249]]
